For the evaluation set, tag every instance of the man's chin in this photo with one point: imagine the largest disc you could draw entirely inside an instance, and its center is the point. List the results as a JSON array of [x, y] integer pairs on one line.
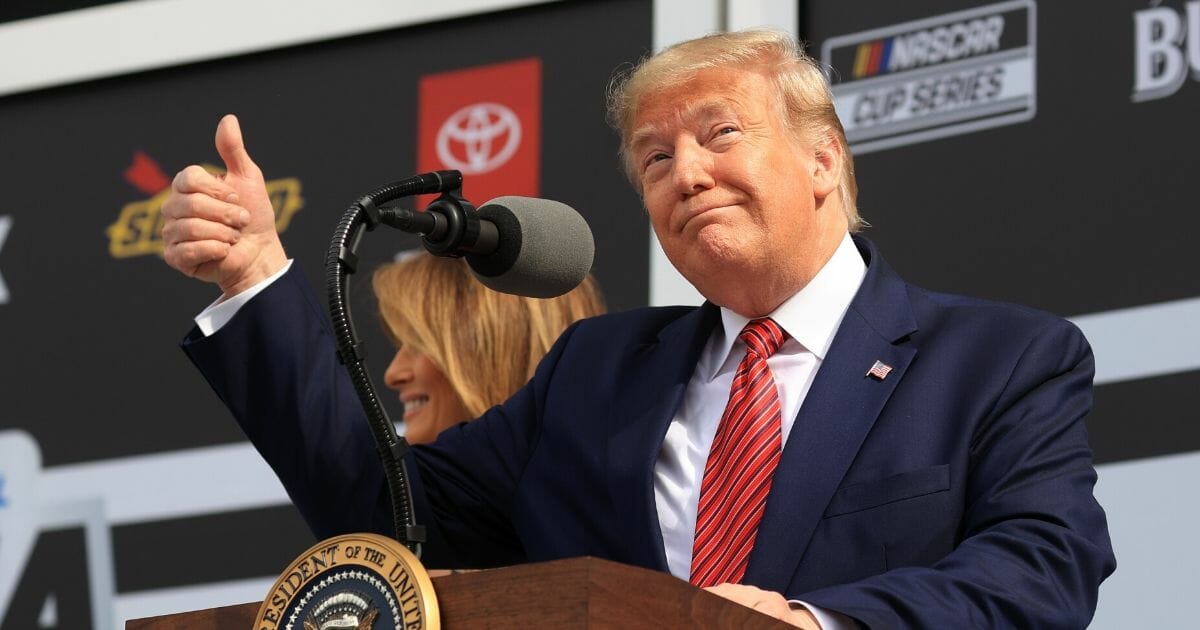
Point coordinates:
[[716, 283], [716, 249]]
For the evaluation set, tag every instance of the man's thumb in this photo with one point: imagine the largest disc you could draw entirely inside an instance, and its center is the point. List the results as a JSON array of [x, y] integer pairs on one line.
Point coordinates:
[[231, 147]]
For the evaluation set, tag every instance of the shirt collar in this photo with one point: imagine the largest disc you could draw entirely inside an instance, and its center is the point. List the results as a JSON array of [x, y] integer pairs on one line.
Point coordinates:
[[812, 316]]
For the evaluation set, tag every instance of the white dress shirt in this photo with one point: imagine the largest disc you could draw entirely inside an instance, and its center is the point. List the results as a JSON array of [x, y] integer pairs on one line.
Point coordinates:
[[211, 319], [811, 318]]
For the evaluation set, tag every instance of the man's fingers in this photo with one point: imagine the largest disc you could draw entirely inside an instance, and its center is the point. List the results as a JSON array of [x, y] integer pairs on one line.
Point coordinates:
[[190, 256], [221, 228], [766, 602], [233, 149], [195, 179], [200, 206], [182, 230]]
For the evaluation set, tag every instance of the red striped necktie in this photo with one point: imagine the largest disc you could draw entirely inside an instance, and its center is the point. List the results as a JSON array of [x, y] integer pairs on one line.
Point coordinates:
[[741, 463]]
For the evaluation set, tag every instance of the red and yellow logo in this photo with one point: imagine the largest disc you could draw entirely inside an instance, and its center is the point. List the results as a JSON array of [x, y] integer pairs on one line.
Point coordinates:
[[138, 229]]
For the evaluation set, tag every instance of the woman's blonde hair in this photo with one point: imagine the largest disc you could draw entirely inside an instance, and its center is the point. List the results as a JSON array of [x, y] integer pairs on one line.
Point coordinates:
[[803, 91], [486, 343]]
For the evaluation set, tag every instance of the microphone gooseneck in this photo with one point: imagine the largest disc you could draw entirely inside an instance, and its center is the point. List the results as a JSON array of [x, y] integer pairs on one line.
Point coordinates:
[[340, 262], [519, 245]]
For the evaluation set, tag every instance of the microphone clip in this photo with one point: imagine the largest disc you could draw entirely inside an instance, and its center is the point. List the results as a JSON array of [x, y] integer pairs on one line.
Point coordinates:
[[458, 229]]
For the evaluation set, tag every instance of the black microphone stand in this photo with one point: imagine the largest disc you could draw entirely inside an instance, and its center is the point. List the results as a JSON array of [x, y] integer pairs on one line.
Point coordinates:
[[451, 231]]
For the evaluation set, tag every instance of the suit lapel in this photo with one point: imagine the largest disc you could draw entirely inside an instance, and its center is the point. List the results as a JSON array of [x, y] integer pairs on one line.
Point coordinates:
[[838, 412], [654, 384]]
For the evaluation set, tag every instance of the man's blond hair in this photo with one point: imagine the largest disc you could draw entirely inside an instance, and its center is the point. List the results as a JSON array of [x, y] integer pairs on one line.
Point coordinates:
[[804, 97]]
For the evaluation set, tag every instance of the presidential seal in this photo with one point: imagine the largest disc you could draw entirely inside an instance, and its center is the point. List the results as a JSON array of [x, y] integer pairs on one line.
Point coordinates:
[[355, 581]]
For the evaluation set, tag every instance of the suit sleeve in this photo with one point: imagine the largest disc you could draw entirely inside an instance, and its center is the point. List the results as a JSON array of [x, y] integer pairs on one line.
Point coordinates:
[[467, 479], [1033, 545], [275, 367]]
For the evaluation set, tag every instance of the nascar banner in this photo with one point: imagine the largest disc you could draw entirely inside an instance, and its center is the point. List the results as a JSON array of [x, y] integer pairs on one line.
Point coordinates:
[[1041, 153], [935, 77]]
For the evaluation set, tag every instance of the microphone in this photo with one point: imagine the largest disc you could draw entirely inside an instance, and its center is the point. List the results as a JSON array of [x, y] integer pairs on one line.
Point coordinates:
[[544, 248], [519, 245], [531, 247]]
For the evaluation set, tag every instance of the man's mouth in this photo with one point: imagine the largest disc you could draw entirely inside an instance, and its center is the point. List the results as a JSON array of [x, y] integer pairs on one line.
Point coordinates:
[[692, 214]]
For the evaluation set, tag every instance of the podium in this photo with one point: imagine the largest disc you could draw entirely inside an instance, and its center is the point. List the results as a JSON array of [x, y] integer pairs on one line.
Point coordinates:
[[573, 593]]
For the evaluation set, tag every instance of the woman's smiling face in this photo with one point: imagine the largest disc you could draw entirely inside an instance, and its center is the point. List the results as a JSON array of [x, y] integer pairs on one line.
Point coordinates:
[[430, 403]]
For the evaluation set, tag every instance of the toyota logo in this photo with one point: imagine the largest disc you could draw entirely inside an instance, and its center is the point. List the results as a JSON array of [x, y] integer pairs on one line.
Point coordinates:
[[479, 138]]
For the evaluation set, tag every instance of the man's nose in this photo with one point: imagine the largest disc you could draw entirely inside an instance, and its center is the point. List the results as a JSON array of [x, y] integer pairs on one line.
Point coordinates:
[[692, 169]]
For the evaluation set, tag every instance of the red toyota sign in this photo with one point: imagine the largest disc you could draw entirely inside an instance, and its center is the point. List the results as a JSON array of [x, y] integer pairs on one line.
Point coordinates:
[[486, 122]]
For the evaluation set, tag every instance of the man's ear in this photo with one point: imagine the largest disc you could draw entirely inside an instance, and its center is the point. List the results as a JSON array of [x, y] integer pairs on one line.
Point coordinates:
[[827, 167]]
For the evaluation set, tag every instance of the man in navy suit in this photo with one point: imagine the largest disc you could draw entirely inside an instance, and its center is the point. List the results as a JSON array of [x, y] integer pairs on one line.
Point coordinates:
[[934, 469]]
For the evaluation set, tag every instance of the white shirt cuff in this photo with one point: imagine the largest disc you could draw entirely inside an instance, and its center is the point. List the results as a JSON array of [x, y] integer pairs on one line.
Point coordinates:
[[829, 620], [211, 319]]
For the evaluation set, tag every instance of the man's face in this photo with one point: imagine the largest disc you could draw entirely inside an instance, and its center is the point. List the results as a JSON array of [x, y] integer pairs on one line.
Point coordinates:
[[733, 196]]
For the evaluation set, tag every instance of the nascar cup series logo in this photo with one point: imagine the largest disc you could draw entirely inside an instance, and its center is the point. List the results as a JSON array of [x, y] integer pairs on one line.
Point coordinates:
[[936, 77]]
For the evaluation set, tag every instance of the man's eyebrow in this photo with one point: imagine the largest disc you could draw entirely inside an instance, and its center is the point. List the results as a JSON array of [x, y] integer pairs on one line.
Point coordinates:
[[690, 110], [642, 135], [704, 109]]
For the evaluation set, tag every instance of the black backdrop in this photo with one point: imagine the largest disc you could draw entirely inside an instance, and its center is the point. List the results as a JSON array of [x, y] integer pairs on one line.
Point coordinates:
[[91, 369], [1087, 207], [338, 116]]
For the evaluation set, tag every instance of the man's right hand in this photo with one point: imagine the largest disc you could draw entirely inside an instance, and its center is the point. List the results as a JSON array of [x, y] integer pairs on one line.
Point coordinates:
[[221, 228]]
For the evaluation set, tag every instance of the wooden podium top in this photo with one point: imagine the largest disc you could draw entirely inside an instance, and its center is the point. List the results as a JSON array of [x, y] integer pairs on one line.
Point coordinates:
[[573, 593]]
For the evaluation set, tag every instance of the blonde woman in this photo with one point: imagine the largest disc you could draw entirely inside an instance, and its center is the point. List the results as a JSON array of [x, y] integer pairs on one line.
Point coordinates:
[[462, 348]]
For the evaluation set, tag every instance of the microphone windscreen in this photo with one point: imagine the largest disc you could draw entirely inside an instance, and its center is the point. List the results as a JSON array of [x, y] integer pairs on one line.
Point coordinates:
[[544, 249]]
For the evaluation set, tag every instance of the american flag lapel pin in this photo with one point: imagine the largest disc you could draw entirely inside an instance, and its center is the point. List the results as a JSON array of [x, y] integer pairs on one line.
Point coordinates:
[[879, 371]]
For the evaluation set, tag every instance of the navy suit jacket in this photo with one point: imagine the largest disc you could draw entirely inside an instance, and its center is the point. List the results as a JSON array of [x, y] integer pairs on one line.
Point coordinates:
[[955, 492]]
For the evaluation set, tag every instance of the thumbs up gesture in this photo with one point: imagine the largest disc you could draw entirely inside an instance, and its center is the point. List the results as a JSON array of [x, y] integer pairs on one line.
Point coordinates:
[[221, 228]]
